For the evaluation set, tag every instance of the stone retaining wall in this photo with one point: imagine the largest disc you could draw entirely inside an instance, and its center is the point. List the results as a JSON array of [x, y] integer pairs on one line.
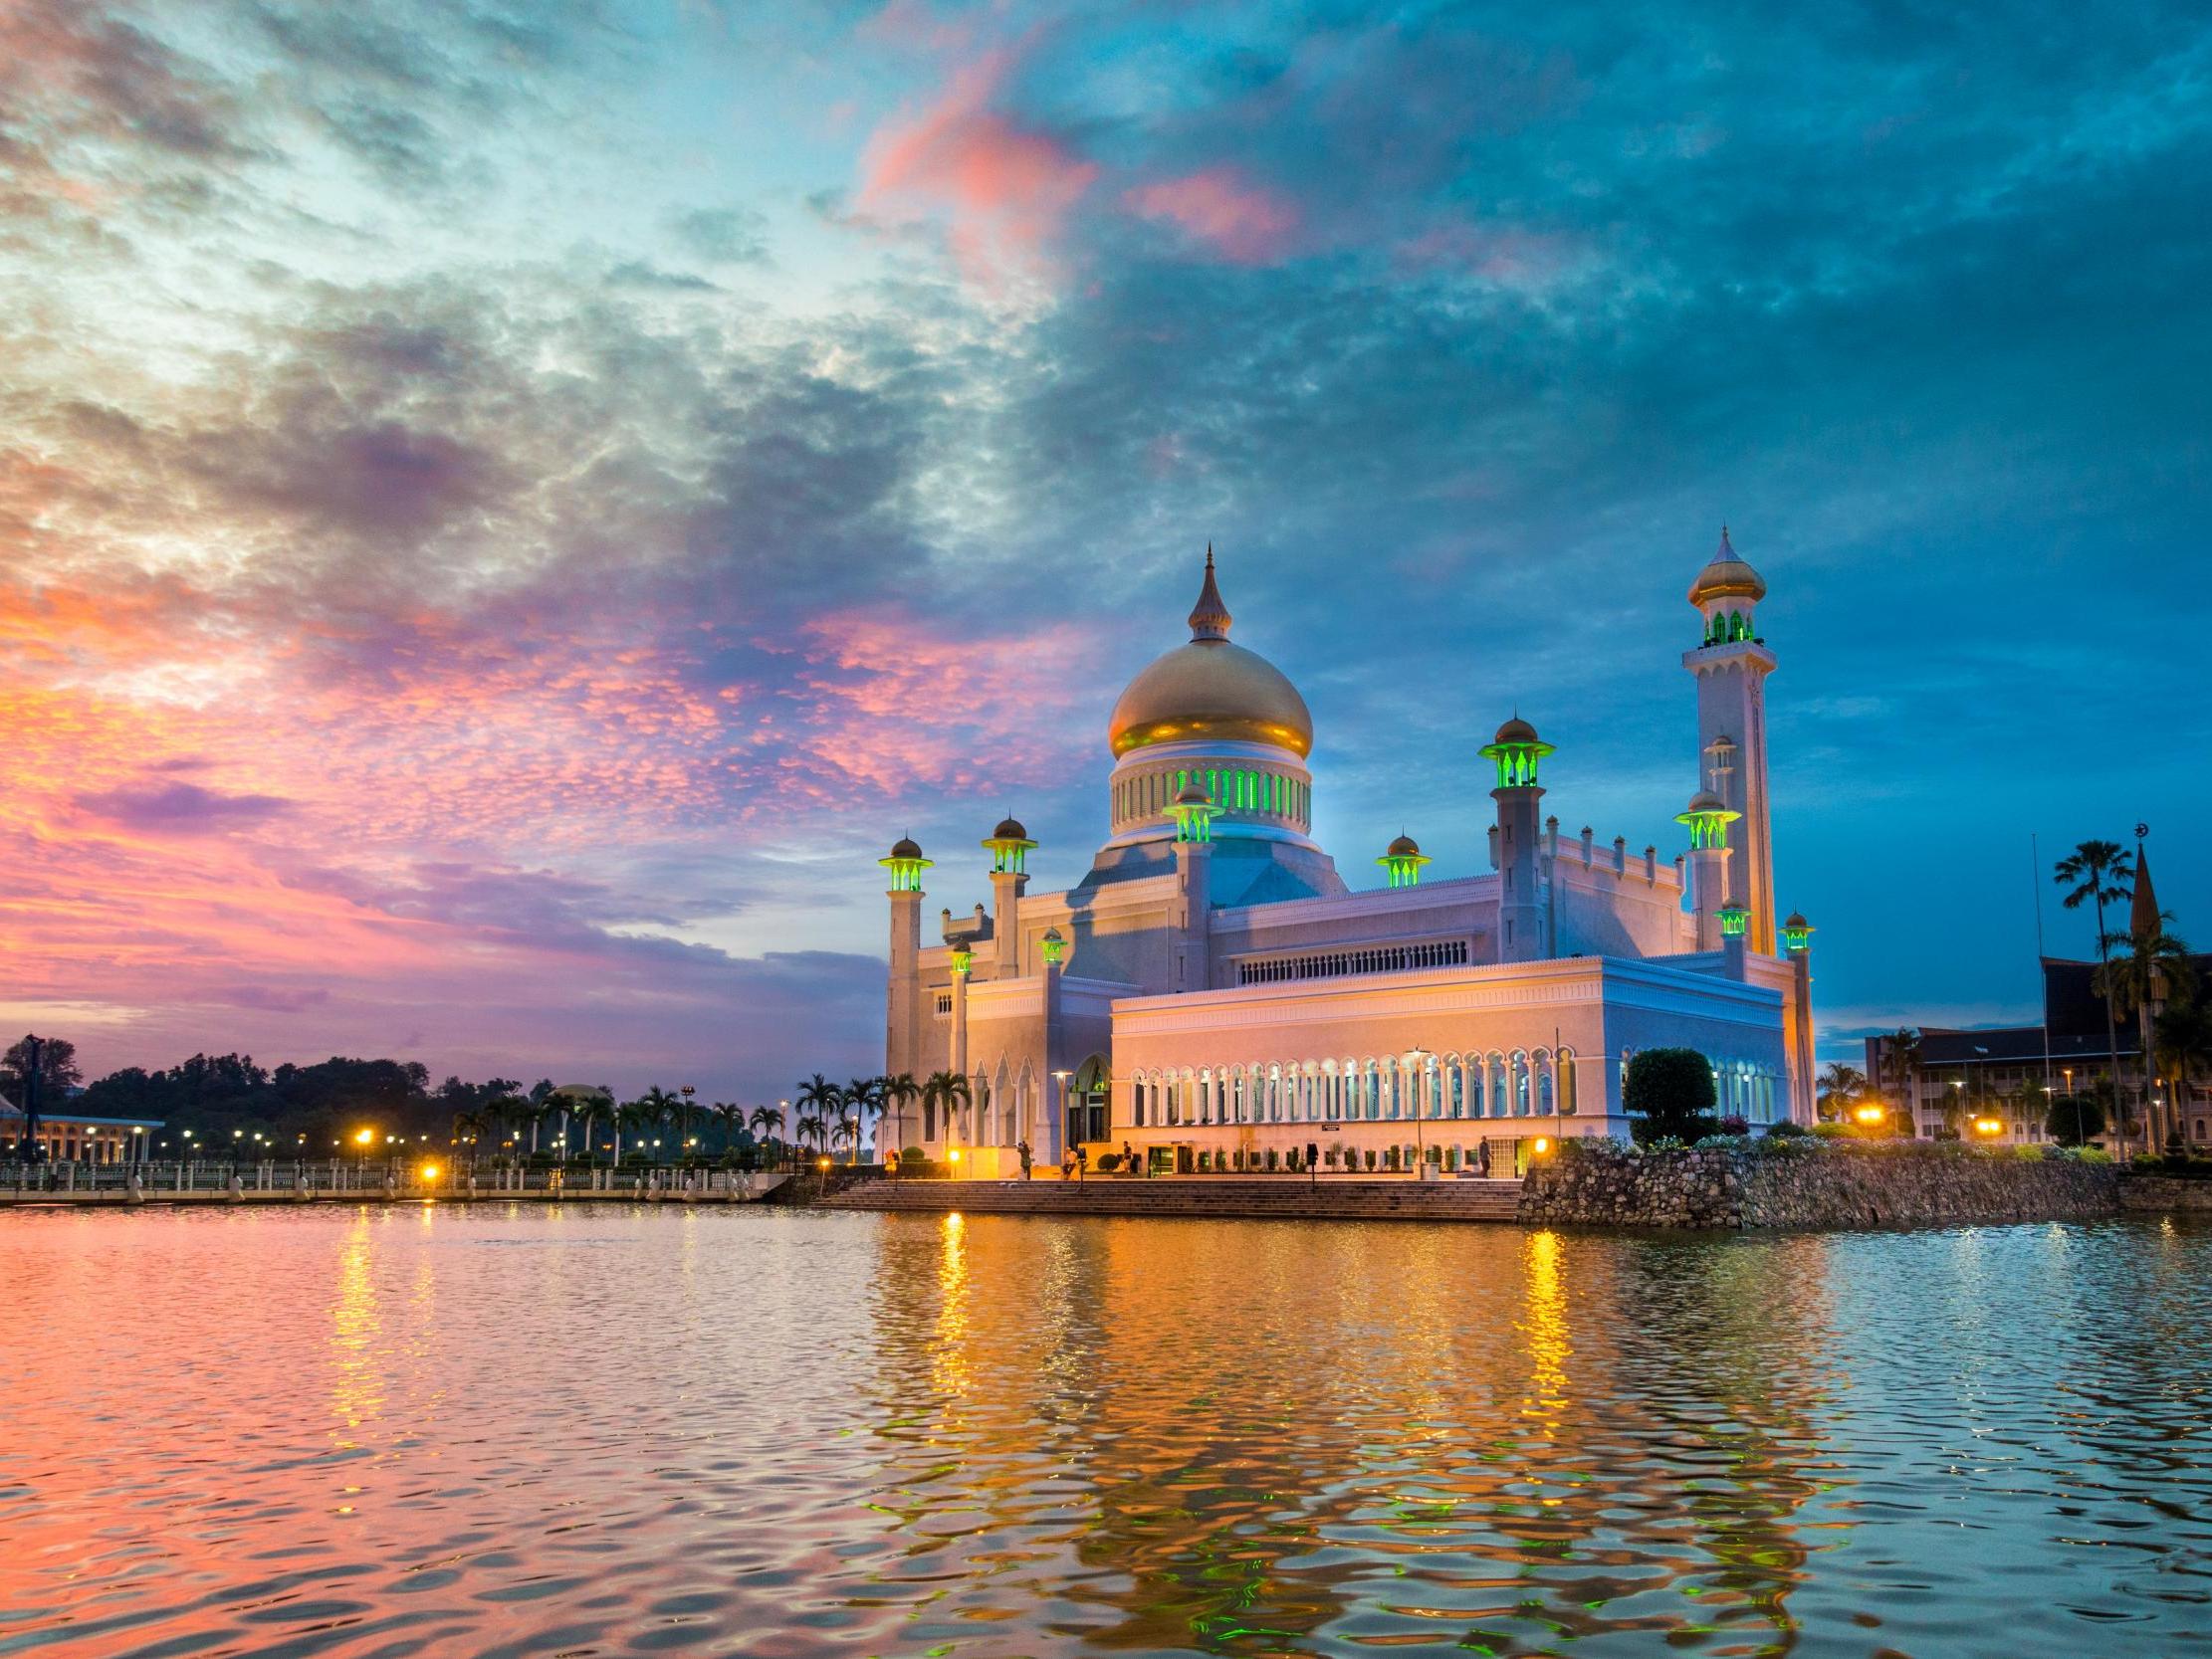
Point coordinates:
[[1815, 1186], [2164, 1193], [1336, 1198]]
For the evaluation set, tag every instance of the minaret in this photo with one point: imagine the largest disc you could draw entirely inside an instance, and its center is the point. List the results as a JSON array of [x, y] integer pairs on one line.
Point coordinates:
[[1402, 861], [1194, 815], [1516, 749], [1796, 941], [1731, 666], [1009, 847], [902, 1015], [1707, 818]]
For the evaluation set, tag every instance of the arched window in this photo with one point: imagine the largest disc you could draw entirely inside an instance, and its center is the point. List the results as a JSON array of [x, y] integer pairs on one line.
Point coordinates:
[[1567, 1101]]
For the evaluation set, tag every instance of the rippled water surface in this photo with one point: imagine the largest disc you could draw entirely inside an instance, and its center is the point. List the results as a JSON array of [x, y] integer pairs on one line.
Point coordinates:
[[592, 1431]]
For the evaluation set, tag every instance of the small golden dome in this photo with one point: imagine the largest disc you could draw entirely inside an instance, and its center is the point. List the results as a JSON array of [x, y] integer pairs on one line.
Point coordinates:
[[1211, 691], [1010, 829], [1403, 847], [1726, 577], [1516, 731]]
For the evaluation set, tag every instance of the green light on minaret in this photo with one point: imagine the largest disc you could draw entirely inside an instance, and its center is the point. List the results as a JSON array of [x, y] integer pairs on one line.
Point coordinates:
[[1707, 817], [906, 865], [1516, 749], [1797, 934], [1402, 862], [964, 959], [1733, 920], [1009, 847], [1194, 813], [1054, 947]]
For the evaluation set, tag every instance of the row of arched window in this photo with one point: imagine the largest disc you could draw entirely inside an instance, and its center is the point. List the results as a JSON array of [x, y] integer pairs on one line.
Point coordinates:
[[1534, 1083], [1230, 788]]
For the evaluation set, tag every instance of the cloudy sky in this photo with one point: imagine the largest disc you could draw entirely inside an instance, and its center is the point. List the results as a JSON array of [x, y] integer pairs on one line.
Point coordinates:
[[507, 508]]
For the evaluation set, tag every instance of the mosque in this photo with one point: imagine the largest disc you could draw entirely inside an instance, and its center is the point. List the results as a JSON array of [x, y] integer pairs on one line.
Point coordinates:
[[1214, 995]]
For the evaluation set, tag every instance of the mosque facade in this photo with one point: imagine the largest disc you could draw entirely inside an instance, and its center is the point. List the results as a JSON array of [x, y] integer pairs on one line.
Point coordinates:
[[1213, 994]]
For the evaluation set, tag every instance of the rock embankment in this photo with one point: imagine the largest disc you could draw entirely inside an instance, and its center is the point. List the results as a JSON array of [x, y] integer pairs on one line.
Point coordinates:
[[1813, 1185]]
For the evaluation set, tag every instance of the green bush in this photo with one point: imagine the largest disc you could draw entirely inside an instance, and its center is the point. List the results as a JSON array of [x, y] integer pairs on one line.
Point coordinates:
[[1108, 1162], [2075, 1119], [1370, 1158], [1788, 1130], [1271, 1159], [1669, 1094]]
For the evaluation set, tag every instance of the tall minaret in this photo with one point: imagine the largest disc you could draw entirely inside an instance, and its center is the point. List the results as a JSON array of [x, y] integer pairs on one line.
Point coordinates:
[[1731, 666], [902, 1020], [1516, 749], [1009, 847]]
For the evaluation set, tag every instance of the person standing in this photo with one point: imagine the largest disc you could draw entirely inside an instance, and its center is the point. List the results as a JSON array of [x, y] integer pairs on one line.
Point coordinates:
[[1022, 1147]]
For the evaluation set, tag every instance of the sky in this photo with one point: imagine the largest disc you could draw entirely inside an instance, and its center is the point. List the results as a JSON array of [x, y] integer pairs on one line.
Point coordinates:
[[507, 509]]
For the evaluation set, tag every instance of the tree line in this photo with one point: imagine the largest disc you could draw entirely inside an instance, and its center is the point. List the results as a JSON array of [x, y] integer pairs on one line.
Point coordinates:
[[229, 1100]]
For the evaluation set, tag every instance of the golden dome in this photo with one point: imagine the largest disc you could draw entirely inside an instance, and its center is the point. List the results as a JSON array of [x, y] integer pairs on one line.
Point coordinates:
[[1725, 576], [1211, 691]]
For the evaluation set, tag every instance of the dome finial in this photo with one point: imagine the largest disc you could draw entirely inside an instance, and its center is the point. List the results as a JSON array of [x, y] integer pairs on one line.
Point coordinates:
[[1210, 619]]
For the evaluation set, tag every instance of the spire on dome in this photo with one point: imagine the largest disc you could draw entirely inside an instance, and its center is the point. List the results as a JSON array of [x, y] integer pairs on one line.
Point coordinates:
[[1209, 618], [1725, 552]]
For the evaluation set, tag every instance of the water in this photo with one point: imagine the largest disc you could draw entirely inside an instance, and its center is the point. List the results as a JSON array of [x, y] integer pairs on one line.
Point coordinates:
[[596, 1430]]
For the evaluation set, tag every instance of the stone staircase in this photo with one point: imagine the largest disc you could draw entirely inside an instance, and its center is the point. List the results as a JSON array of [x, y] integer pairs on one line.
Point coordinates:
[[1289, 1197]]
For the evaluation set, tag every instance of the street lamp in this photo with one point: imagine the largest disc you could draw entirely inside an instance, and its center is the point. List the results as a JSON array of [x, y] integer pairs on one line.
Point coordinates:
[[1417, 1057]]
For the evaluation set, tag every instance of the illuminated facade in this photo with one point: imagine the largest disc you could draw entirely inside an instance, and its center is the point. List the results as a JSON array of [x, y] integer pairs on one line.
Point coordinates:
[[1214, 995]]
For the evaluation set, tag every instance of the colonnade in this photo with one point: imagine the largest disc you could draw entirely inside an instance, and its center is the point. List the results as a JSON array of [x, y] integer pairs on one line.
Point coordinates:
[[1521, 1083]]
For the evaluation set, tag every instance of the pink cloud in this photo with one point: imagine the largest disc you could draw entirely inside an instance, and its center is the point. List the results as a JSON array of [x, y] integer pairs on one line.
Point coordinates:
[[1243, 222], [1005, 187]]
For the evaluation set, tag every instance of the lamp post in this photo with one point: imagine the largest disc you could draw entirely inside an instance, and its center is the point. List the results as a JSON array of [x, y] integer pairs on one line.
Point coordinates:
[[1417, 1058], [1060, 1081]]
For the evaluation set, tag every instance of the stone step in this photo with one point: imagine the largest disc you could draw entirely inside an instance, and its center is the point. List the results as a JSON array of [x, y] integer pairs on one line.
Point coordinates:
[[1200, 1197]]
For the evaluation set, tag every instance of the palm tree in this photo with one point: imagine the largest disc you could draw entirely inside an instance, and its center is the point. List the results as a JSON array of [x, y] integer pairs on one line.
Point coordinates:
[[2185, 1031], [468, 1126], [944, 1093], [897, 1094], [2155, 967], [732, 1120], [845, 1131], [767, 1122], [1841, 1088], [589, 1108], [863, 1098], [1903, 1051], [819, 1102], [2099, 873]]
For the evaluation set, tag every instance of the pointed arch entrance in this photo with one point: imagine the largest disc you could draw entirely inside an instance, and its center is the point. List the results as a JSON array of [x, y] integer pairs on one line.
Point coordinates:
[[1086, 1106]]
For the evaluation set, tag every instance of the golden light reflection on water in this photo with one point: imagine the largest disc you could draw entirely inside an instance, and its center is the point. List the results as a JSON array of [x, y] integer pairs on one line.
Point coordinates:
[[611, 1430], [357, 1382]]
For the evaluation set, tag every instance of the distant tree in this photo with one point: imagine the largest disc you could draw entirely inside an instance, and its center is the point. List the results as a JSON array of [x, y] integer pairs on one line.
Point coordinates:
[[2097, 874], [2152, 967], [2075, 1119], [1841, 1087], [57, 1071], [947, 1094], [1670, 1091], [864, 1100], [899, 1092]]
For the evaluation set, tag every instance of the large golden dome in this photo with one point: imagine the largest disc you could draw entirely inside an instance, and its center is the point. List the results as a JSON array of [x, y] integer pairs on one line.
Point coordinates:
[[1211, 691]]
